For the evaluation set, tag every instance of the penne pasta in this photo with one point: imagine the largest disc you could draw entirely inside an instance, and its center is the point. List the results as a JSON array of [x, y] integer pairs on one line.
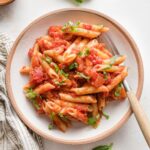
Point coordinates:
[[107, 68], [83, 32], [117, 60], [117, 79], [88, 89], [28, 86], [80, 107], [77, 99], [101, 54], [60, 124], [35, 49], [98, 28], [52, 74], [75, 114], [25, 70], [43, 88], [56, 120], [96, 114], [54, 107], [101, 103], [54, 54], [72, 46]]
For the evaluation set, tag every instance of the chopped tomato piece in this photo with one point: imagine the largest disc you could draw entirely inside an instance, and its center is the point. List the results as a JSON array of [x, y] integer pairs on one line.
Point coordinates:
[[54, 29], [36, 75], [80, 62], [56, 35], [55, 32], [97, 79], [30, 52], [88, 27], [93, 57]]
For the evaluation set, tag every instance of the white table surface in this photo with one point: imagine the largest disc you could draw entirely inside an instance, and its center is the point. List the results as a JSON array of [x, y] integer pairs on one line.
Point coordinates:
[[134, 15]]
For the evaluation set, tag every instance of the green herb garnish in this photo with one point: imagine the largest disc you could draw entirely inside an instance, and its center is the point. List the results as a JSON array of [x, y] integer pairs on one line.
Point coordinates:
[[118, 90], [73, 27], [107, 67], [105, 75], [73, 66], [84, 53], [56, 68], [83, 75], [63, 73], [104, 147], [78, 23], [87, 52], [92, 121], [50, 126], [79, 1], [52, 115], [30, 94], [97, 117], [48, 59], [105, 115], [35, 103], [59, 83], [80, 53], [63, 117]]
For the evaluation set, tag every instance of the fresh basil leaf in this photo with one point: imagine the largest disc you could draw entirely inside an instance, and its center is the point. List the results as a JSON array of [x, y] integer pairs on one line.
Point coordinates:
[[104, 147], [97, 116], [80, 53], [91, 121], [78, 23], [107, 67], [64, 118], [50, 126], [87, 52], [79, 1], [52, 115], [56, 68], [117, 93], [73, 27], [48, 59], [62, 72], [84, 53], [30, 94], [118, 90], [83, 75], [106, 115], [59, 83], [105, 75], [35, 104], [73, 66]]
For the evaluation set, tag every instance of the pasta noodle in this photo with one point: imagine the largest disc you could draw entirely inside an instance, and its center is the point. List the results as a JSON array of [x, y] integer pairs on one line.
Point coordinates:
[[72, 76]]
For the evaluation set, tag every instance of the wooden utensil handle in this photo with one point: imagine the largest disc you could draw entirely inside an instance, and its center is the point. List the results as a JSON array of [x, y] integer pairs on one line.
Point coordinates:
[[140, 115]]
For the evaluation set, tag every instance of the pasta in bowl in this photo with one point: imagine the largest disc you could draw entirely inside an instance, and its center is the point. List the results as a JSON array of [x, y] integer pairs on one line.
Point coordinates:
[[73, 76]]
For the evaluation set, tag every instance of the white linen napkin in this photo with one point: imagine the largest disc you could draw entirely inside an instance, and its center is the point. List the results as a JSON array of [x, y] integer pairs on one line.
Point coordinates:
[[14, 135]]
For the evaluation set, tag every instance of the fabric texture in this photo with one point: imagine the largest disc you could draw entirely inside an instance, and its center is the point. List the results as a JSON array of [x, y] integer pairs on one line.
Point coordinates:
[[14, 135]]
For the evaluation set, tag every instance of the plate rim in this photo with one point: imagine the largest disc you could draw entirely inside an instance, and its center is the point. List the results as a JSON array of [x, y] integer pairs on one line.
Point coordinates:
[[120, 122]]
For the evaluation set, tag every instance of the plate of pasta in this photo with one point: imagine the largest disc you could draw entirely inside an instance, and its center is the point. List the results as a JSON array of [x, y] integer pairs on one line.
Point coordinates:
[[64, 81]]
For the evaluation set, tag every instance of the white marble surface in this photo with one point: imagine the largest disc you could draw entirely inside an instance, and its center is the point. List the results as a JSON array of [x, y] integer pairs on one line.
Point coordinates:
[[133, 15]]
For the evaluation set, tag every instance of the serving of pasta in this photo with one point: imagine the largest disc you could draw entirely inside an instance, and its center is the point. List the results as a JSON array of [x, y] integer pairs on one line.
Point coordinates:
[[73, 76]]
